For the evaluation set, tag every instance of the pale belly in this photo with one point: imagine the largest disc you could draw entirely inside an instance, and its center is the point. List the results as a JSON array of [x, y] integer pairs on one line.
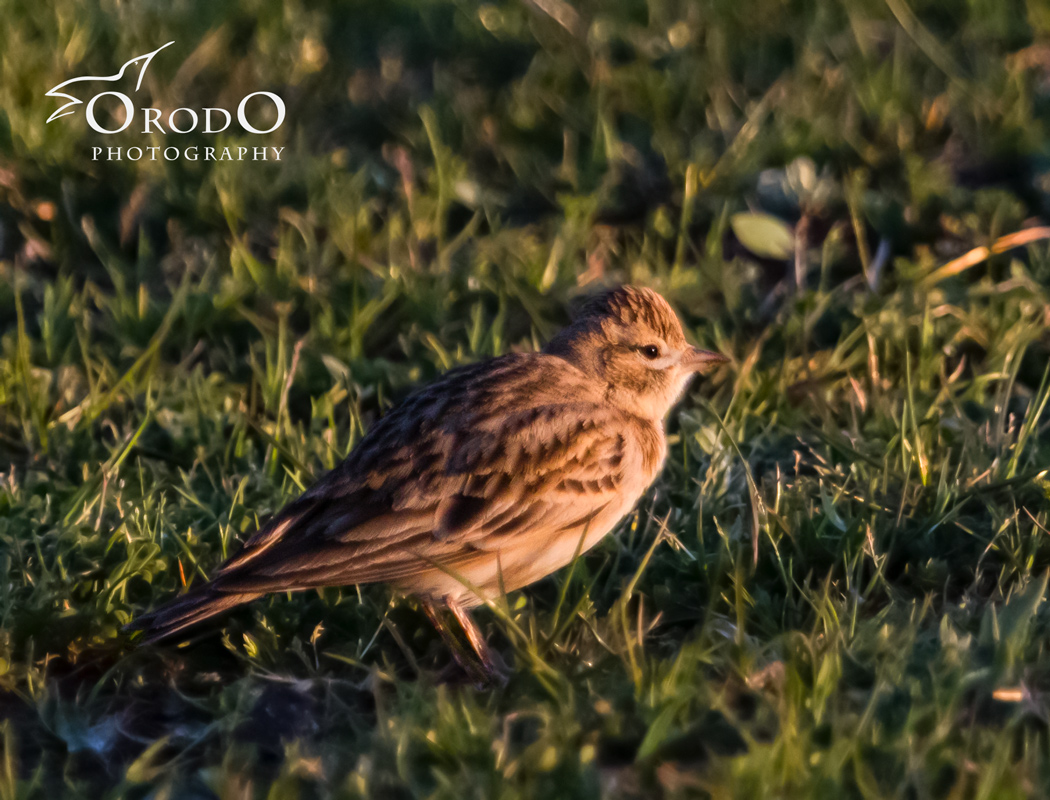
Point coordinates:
[[484, 575]]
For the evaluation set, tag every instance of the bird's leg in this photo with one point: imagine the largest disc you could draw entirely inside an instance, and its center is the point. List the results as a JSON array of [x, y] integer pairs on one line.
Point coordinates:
[[465, 663], [494, 667]]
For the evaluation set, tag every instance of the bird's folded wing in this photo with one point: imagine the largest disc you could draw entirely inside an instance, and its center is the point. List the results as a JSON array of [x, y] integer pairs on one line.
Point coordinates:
[[466, 484]]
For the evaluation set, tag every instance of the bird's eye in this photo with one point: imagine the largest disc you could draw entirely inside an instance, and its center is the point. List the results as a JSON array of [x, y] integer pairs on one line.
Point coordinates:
[[651, 351]]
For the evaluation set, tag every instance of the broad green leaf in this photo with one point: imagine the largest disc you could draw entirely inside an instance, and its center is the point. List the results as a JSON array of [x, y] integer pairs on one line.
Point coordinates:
[[764, 235]]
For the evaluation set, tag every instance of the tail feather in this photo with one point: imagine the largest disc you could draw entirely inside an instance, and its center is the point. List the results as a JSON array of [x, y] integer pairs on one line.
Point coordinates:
[[224, 591], [185, 611]]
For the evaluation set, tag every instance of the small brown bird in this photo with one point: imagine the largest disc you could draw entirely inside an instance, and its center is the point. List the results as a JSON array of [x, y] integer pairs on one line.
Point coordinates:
[[484, 481]]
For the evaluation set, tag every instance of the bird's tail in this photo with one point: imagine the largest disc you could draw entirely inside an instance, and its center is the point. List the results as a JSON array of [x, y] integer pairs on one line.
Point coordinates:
[[188, 609]]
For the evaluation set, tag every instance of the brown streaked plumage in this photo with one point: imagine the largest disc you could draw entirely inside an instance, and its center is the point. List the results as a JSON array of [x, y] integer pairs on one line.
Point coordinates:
[[486, 480]]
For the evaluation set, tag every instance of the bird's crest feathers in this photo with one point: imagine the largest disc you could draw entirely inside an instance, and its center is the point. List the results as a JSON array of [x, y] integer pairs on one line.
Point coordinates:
[[631, 305]]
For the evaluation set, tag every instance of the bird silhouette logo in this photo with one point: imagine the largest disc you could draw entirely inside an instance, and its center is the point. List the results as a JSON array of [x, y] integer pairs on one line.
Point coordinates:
[[57, 91]]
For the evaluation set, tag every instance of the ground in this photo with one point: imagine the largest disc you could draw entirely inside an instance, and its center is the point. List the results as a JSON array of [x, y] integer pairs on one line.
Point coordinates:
[[835, 587]]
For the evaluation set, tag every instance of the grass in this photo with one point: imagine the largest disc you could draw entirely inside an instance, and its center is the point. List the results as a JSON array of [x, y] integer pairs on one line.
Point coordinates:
[[185, 346]]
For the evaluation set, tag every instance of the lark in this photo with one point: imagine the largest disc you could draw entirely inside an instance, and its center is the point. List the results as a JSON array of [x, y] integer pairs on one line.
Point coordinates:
[[485, 481]]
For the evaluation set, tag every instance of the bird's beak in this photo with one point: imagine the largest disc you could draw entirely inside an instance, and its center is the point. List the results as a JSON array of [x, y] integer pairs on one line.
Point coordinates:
[[699, 360]]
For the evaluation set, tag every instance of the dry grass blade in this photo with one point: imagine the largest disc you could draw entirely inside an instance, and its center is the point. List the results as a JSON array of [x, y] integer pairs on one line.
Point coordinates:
[[562, 13], [980, 254]]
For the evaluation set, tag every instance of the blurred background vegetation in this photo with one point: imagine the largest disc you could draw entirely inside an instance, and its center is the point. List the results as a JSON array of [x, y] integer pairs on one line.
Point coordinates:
[[185, 345]]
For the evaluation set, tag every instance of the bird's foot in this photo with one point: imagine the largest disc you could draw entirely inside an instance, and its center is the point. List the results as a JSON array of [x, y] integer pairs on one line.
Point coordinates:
[[464, 668], [488, 669]]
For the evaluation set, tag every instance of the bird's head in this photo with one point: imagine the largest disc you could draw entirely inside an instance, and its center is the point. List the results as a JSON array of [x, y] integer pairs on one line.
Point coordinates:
[[631, 340]]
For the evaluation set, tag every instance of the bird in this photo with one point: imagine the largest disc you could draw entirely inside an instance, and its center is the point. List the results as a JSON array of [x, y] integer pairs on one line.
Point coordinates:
[[490, 478]]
